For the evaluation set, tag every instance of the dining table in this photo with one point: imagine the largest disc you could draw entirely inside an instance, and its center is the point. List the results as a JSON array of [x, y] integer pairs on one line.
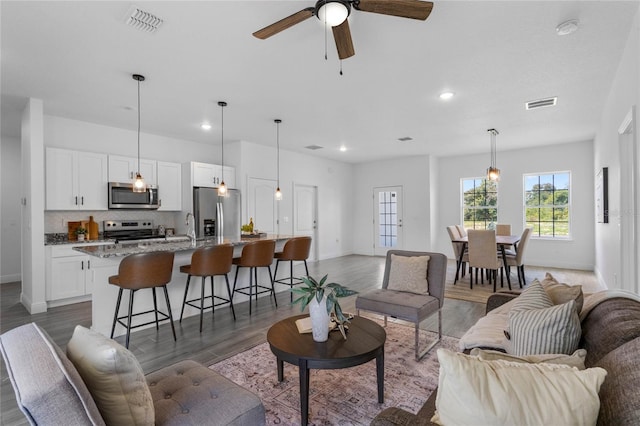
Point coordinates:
[[502, 241]]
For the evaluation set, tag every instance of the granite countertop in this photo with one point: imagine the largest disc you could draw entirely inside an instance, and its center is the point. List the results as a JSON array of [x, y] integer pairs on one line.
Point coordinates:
[[56, 239], [125, 249]]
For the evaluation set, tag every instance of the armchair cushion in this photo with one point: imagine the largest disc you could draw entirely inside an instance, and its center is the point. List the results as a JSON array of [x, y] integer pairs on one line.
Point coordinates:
[[409, 273], [114, 378]]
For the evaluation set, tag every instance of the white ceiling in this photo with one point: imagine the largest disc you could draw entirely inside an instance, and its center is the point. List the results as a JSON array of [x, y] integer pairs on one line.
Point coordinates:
[[78, 57]]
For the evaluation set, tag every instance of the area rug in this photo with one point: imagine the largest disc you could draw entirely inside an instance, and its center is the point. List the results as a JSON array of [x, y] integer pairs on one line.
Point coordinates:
[[344, 396]]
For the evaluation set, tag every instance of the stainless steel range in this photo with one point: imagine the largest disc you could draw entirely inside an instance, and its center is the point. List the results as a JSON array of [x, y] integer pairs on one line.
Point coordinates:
[[130, 230]]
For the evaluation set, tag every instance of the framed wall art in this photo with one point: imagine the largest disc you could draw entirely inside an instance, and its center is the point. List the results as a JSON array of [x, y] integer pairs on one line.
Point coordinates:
[[602, 195]]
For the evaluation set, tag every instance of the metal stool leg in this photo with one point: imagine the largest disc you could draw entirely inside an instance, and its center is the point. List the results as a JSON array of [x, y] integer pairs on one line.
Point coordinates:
[[230, 298], [273, 290], [132, 292], [184, 300], [115, 316], [166, 296], [203, 282]]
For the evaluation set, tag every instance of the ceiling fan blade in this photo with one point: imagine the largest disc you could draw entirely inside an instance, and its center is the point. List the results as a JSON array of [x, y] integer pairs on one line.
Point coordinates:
[[344, 44], [414, 9], [285, 23]]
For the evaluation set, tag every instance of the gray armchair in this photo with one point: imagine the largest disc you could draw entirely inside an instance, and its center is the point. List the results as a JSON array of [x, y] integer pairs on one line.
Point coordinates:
[[407, 305]]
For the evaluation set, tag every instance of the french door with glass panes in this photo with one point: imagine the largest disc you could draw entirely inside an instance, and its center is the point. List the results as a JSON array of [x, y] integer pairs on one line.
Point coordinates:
[[387, 219]]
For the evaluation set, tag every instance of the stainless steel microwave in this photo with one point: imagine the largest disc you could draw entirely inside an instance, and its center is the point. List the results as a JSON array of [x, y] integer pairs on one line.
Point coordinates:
[[121, 196]]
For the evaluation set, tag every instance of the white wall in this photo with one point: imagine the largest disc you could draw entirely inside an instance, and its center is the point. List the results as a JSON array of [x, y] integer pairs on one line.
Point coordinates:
[[624, 93], [10, 214], [412, 174], [332, 178], [576, 253]]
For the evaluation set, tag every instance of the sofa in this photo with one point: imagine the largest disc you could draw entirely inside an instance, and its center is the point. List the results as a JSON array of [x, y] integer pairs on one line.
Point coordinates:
[[611, 338], [105, 385]]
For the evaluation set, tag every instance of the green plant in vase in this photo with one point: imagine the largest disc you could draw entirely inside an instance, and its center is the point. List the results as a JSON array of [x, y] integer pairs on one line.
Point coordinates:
[[312, 293], [81, 232]]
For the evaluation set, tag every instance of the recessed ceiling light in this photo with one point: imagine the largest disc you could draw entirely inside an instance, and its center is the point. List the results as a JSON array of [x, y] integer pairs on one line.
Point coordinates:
[[446, 95], [205, 126], [343, 148], [567, 27]]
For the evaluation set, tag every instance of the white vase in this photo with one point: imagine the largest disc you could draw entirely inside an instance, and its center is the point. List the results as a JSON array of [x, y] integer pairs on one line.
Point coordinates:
[[319, 320]]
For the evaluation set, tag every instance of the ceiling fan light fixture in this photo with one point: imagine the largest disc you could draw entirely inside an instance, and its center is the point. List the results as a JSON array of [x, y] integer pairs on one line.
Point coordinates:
[[333, 12]]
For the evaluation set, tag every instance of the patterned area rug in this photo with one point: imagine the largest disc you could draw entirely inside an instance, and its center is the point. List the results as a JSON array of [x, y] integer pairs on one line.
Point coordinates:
[[344, 396]]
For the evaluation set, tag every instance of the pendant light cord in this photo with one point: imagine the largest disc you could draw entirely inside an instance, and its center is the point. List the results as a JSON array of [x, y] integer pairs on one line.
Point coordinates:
[[278, 149], [222, 138], [138, 126]]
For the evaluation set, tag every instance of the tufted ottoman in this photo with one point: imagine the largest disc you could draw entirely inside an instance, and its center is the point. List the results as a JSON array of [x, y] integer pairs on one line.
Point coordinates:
[[188, 393]]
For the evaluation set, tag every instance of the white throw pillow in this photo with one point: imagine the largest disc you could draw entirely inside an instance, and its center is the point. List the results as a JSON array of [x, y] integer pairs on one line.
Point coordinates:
[[574, 360], [409, 273], [114, 378], [476, 392]]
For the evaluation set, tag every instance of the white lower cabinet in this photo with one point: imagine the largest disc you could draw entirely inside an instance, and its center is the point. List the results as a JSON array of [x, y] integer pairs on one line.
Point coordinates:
[[69, 276]]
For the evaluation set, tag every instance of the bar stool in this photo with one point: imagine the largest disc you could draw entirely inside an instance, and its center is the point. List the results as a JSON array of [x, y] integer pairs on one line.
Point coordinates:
[[208, 262], [139, 271], [295, 249], [256, 254]]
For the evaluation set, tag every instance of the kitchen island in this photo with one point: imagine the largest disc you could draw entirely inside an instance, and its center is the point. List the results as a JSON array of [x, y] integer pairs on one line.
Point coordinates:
[[106, 260]]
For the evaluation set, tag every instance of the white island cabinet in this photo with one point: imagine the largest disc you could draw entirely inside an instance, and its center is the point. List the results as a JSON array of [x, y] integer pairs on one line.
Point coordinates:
[[75, 180]]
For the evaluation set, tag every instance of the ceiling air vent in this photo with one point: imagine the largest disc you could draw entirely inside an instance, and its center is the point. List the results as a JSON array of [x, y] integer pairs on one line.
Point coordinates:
[[405, 139], [313, 147], [541, 103], [143, 20]]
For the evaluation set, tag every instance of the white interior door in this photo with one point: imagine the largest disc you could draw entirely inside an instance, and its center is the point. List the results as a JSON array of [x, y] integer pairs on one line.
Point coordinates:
[[305, 215], [629, 205], [262, 205], [387, 219]]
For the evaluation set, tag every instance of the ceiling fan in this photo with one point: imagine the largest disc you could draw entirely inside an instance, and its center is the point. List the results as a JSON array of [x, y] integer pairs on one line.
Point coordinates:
[[335, 13]]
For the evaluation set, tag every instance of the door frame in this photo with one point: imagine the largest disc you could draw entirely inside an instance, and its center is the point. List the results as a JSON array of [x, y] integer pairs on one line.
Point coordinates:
[[629, 202]]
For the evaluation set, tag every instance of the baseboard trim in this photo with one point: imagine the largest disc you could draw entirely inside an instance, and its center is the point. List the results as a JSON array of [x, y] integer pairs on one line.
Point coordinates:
[[33, 308], [10, 278]]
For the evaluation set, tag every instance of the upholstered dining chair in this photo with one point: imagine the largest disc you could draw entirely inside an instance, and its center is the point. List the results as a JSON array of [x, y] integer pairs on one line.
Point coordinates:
[[412, 290], [517, 259], [503, 229], [482, 255], [461, 230], [457, 250]]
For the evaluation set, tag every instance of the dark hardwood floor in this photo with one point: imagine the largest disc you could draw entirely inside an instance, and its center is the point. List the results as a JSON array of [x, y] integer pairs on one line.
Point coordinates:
[[221, 336]]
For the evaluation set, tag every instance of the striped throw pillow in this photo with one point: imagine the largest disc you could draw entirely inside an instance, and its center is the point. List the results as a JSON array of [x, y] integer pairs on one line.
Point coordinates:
[[553, 330]]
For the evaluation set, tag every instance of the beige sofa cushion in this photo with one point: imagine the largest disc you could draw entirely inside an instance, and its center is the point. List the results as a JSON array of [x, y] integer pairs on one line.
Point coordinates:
[[114, 378], [501, 392], [409, 273], [574, 360], [560, 293]]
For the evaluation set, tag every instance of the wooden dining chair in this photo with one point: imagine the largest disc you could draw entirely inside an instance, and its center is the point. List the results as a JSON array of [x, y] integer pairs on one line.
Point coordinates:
[[517, 259], [457, 250], [503, 229], [482, 255]]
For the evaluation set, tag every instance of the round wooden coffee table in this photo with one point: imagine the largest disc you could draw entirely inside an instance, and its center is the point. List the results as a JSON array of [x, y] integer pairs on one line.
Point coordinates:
[[365, 341]]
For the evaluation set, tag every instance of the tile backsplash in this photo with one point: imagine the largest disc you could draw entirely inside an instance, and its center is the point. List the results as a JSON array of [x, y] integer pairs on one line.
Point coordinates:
[[56, 221]]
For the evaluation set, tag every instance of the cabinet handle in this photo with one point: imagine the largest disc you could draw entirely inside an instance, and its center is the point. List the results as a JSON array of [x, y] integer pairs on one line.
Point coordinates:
[[76, 200], [88, 264], [82, 265], [160, 202], [82, 200]]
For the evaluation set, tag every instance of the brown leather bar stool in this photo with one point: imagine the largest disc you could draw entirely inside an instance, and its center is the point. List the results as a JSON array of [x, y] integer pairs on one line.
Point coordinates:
[[208, 262], [296, 249], [256, 254], [139, 271]]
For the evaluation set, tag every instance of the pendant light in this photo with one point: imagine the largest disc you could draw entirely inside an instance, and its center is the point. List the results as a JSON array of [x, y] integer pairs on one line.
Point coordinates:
[[278, 192], [138, 184], [222, 188], [493, 172]]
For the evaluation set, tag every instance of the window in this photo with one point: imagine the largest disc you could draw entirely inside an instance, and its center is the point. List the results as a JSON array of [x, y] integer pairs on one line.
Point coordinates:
[[388, 219], [547, 203], [479, 203]]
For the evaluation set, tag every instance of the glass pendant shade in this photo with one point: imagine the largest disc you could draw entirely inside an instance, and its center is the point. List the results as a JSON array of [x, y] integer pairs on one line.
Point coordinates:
[[222, 189], [138, 183], [278, 194], [493, 172], [333, 13]]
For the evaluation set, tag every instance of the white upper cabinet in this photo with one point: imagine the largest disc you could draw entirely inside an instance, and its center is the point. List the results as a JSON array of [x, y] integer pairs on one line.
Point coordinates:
[[123, 169], [211, 175], [170, 186], [75, 180]]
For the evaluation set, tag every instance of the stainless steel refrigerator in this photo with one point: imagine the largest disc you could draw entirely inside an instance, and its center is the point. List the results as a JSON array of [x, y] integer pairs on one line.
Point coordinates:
[[215, 215]]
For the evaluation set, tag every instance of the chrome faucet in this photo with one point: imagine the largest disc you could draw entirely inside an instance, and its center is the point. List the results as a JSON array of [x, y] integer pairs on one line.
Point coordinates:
[[191, 231]]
